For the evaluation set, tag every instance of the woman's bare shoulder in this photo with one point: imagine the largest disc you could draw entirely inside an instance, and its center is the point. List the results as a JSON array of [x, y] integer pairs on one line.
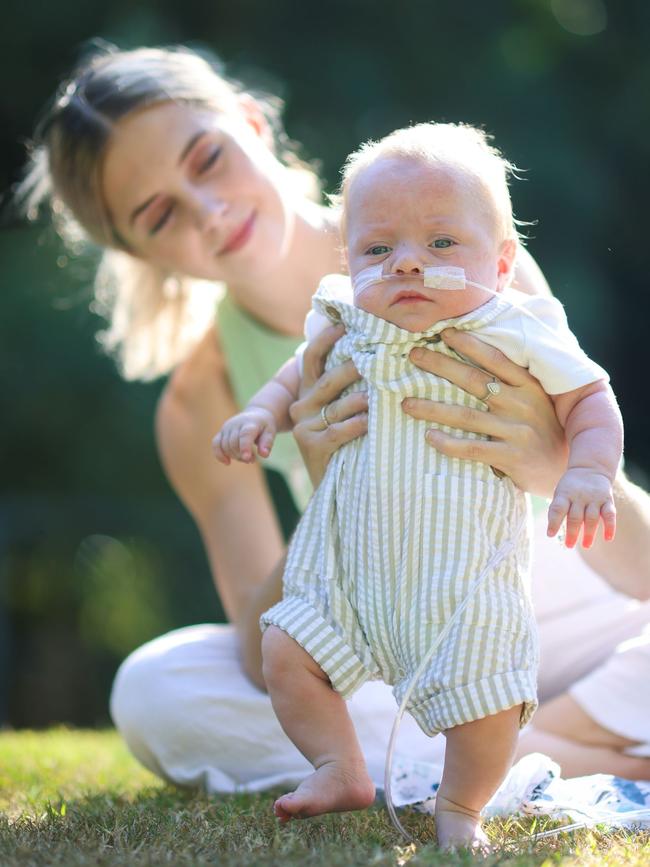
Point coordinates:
[[529, 277], [192, 404], [203, 371]]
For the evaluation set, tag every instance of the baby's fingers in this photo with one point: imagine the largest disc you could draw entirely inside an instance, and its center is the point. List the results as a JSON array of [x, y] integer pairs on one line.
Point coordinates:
[[608, 514], [217, 449], [574, 521], [592, 518], [248, 433], [265, 442], [557, 512]]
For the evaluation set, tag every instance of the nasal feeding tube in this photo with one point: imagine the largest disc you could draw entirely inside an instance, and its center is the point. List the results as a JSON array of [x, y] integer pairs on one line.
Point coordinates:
[[447, 278]]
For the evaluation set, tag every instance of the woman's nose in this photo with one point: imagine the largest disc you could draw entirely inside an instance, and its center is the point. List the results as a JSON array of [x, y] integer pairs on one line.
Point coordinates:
[[208, 210]]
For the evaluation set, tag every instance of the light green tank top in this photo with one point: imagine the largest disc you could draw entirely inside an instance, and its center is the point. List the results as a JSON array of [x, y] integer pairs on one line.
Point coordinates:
[[253, 354]]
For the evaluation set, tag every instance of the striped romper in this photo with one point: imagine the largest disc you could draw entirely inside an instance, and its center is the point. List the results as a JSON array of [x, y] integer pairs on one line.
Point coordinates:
[[395, 535]]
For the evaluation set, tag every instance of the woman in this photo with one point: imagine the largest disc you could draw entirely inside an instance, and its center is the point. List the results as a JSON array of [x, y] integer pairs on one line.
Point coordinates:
[[175, 173]]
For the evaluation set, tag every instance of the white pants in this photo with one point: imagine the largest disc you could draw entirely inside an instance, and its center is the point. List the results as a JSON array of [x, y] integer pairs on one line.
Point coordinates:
[[188, 713]]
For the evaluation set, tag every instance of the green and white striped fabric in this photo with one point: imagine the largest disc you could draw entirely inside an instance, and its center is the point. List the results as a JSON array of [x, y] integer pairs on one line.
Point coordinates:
[[395, 535]]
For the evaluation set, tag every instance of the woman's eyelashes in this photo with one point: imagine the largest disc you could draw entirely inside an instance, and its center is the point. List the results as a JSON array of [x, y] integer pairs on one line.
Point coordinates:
[[161, 219], [202, 165], [205, 163]]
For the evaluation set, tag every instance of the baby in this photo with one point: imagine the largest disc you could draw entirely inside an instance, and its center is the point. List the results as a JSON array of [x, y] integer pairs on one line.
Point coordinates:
[[396, 533]]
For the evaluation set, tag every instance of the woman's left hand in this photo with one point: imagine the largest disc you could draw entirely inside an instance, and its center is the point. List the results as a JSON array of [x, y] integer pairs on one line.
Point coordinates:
[[320, 392], [526, 441]]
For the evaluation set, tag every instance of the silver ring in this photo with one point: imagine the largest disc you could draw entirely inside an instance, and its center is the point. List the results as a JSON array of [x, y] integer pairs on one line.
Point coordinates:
[[323, 415], [493, 388]]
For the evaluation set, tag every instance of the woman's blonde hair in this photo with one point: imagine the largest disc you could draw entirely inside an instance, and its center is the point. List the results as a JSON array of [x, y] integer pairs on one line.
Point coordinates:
[[154, 318]]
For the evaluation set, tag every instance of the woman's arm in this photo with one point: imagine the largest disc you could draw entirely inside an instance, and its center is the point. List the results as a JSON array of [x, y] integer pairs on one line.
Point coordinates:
[[528, 275], [225, 502], [526, 441], [625, 562]]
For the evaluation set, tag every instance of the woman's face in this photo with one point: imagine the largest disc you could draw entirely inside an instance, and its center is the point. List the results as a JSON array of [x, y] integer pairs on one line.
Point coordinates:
[[197, 192]]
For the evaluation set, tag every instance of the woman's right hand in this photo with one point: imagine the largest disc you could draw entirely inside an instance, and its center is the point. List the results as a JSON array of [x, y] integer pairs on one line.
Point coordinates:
[[526, 441], [347, 416]]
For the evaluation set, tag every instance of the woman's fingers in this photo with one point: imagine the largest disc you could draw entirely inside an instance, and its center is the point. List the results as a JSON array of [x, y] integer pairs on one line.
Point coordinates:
[[315, 354], [326, 389], [346, 407], [469, 378], [486, 356], [462, 417], [485, 451], [342, 432]]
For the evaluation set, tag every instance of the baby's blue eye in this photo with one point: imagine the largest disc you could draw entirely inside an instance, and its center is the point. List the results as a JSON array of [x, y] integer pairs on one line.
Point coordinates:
[[378, 250], [442, 243]]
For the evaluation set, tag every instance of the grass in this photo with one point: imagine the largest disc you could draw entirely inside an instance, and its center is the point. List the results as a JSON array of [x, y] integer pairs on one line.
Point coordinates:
[[76, 798]]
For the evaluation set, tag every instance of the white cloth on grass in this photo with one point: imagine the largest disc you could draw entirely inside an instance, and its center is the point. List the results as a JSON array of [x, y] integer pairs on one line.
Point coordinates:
[[189, 714]]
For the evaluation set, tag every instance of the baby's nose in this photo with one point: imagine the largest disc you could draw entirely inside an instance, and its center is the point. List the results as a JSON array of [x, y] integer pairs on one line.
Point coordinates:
[[407, 261]]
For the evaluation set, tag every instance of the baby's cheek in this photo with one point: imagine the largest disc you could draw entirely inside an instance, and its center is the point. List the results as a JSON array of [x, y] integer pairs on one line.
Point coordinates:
[[457, 303], [372, 300]]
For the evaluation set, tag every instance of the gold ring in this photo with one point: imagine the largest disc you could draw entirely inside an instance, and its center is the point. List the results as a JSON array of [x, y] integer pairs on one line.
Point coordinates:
[[493, 388]]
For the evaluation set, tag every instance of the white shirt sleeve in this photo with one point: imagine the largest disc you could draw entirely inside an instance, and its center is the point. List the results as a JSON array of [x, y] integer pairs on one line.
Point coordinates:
[[534, 333]]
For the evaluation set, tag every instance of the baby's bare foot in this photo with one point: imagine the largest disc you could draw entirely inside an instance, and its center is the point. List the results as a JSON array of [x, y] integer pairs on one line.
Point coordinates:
[[332, 788], [459, 827]]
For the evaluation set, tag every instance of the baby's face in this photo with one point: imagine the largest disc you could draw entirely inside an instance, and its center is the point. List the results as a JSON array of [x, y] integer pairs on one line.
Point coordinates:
[[407, 214]]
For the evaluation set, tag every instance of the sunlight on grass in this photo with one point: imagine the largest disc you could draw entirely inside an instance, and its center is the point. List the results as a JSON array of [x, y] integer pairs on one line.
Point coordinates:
[[77, 798]]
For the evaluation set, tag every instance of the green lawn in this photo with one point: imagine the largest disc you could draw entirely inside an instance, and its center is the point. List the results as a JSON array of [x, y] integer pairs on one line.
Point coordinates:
[[77, 798]]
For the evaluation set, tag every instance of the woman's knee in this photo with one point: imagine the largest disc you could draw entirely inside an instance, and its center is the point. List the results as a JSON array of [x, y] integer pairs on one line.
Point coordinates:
[[137, 692], [563, 716]]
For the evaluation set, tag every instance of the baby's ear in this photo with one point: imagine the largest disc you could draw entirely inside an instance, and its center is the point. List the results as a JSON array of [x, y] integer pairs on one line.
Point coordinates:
[[506, 262]]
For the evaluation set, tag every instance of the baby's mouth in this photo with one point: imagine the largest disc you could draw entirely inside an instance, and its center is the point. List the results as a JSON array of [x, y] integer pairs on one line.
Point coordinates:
[[409, 296]]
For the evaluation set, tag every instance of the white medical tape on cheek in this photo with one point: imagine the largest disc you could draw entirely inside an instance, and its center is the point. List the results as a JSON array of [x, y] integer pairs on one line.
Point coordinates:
[[448, 277], [367, 276]]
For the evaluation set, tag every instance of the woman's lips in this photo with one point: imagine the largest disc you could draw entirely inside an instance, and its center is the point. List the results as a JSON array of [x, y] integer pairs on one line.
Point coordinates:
[[239, 236]]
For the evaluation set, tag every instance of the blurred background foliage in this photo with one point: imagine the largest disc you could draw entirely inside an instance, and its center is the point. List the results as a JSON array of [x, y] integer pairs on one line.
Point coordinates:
[[96, 555]]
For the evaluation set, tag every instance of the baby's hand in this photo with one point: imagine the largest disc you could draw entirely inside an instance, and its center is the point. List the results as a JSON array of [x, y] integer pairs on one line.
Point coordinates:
[[583, 497], [254, 426]]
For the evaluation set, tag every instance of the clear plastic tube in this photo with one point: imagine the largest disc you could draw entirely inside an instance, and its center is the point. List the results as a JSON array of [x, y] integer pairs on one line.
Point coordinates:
[[448, 278], [622, 820], [492, 563]]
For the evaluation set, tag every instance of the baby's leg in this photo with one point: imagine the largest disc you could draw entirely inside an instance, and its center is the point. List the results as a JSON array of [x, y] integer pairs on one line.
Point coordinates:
[[316, 719], [477, 758]]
